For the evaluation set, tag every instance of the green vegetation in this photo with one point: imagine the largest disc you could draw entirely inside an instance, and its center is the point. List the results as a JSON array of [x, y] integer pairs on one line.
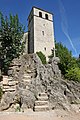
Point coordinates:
[[11, 44], [78, 62], [18, 109], [42, 57], [69, 66], [73, 74]]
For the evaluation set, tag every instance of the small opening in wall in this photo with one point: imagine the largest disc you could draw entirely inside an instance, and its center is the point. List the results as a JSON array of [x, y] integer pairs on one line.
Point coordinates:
[[46, 16], [45, 48], [40, 14], [43, 32]]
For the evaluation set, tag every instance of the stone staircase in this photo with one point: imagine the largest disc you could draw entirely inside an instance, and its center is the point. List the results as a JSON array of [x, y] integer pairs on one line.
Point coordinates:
[[27, 77], [9, 85], [41, 104]]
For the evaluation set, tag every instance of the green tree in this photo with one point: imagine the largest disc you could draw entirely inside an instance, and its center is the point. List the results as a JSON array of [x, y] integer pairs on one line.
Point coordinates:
[[73, 74], [66, 59], [78, 62], [42, 57], [69, 66], [11, 44]]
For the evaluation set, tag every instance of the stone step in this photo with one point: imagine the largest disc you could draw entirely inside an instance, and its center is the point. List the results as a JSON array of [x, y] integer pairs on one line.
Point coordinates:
[[12, 83], [6, 87], [26, 76], [29, 71], [28, 80], [41, 98], [5, 77], [41, 108], [10, 79], [7, 80], [40, 103], [10, 89], [42, 94]]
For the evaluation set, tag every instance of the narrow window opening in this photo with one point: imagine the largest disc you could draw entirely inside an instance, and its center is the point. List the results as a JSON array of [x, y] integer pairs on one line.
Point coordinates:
[[43, 32], [46, 16], [45, 48], [40, 14]]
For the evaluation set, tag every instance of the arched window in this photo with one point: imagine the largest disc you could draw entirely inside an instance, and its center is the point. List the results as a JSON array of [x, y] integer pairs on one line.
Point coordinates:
[[40, 14], [46, 16]]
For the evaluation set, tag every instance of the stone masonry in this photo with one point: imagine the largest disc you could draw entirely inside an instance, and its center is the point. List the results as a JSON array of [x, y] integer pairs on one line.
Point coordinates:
[[40, 32]]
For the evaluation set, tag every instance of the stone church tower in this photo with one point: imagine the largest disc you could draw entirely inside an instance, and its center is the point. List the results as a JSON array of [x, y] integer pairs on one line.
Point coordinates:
[[40, 32]]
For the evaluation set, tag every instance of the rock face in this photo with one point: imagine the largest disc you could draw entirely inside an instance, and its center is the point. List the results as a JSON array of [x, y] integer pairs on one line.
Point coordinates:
[[34, 78]]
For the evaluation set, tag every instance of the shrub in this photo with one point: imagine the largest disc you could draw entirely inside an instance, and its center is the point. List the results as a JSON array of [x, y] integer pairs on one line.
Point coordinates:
[[73, 74], [17, 109], [42, 57]]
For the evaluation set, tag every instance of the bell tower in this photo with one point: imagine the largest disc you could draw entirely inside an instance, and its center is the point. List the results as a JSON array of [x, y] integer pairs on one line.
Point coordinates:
[[40, 32]]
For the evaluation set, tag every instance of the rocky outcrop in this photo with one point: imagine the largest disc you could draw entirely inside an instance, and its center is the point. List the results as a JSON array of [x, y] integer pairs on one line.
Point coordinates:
[[34, 78]]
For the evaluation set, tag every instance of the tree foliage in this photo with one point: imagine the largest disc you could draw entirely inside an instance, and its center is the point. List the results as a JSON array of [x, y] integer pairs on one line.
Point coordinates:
[[73, 74], [11, 45], [78, 62], [42, 57], [66, 59], [69, 66]]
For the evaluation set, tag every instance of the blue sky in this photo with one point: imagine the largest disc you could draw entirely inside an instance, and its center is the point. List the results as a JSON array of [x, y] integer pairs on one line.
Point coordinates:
[[66, 18]]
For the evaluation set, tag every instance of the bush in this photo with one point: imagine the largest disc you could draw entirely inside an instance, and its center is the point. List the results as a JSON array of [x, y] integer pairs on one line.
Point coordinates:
[[73, 74], [42, 57]]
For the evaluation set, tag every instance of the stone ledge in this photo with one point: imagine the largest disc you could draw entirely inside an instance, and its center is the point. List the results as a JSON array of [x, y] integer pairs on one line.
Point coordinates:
[[41, 108], [38, 103], [42, 98]]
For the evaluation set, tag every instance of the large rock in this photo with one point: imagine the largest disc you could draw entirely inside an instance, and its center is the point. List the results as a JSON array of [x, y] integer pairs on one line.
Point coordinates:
[[6, 101], [44, 78]]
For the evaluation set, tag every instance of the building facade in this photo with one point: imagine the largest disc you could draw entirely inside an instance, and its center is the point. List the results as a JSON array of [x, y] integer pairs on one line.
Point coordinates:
[[40, 32]]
